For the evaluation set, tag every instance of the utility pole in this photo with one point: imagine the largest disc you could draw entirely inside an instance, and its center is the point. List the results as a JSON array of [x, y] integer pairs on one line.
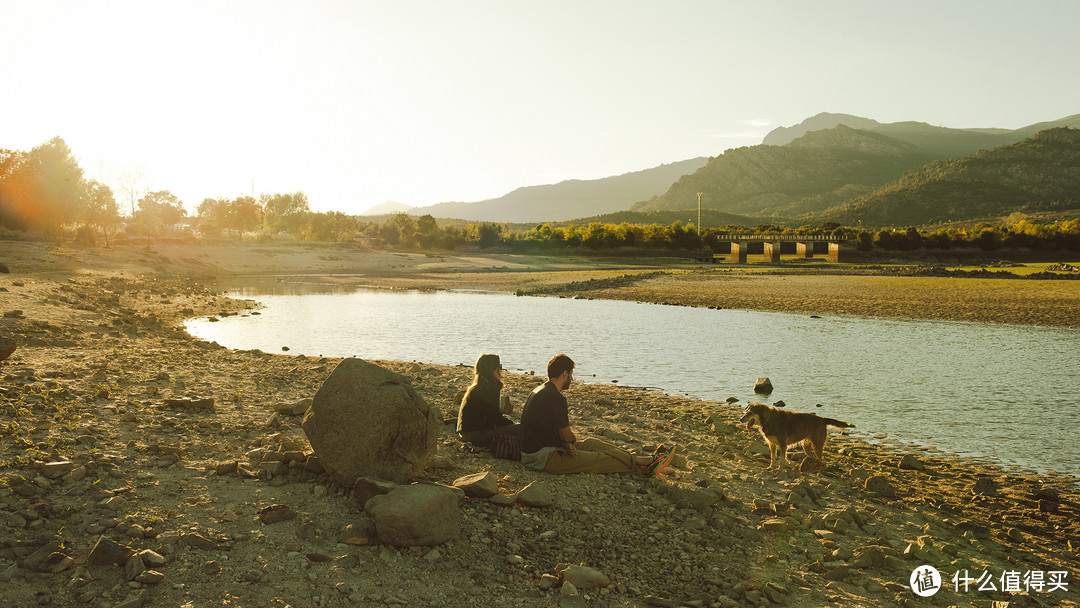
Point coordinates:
[[699, 214]]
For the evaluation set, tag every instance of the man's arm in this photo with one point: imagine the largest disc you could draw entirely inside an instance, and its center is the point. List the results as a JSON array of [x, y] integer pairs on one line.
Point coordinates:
[[568, 439]]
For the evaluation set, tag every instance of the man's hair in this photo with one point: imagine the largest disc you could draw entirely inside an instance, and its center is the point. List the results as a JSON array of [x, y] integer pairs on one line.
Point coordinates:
[[558, 365]]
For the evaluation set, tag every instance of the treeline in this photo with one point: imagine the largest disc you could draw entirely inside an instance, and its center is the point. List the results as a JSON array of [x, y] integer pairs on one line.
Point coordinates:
[[1018, 231], [44, 189]]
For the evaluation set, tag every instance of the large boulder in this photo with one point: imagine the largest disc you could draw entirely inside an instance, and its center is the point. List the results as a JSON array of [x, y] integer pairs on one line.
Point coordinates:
[[415, 515], [367, 421]]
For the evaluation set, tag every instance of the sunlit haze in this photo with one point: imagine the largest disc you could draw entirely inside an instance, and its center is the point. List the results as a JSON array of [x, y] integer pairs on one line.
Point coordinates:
[[357, 103]]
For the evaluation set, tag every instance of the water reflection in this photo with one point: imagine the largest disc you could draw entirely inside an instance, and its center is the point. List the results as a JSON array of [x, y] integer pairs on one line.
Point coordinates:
[[969, 388]]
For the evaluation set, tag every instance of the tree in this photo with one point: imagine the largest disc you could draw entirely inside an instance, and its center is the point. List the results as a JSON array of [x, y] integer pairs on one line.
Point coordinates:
[[158, 210], [285, 212], [100, 208], [213, 215], [41, 189], [132, 186], [11, 213], [864, 241], [484, 234], [884, 239], [427, 230], [400, 229], [909, 239], [332, 226], [242, 214]]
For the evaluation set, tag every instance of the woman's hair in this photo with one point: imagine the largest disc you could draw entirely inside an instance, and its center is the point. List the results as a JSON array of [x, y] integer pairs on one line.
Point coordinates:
[[485, 370], [558, 365]]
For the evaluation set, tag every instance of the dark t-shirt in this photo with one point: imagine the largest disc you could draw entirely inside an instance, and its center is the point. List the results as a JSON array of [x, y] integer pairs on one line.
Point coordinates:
[[544, 414]]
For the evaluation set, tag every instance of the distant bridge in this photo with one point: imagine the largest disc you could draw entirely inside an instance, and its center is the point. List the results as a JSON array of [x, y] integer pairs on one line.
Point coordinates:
[[804, 246]]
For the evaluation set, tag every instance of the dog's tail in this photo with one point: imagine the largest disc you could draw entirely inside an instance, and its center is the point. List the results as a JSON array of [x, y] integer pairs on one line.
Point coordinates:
[[839, 423]]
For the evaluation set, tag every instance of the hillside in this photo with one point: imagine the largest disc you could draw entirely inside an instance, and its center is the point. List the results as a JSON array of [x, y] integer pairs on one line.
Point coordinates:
[[1037, 173], [826, 120], [387, 208], [709, 217], [568, 199], [818, 170], [941, 142]]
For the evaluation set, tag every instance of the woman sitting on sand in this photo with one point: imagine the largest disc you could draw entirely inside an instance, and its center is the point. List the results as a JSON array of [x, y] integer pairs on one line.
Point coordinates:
[[480, 418]]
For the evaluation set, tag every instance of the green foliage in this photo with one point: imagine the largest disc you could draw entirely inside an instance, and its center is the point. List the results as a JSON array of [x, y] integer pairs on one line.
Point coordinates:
[[286, 213], [42, 189], [158, 210]]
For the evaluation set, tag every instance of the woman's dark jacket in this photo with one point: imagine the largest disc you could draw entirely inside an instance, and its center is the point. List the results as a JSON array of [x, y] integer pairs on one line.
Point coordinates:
[[480, 409]]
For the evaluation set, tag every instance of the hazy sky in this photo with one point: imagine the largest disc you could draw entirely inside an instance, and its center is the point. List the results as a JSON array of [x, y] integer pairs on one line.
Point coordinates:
[[358, 102]]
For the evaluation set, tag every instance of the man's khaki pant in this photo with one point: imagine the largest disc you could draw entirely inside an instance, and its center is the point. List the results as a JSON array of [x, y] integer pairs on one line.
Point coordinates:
[[593, 456]]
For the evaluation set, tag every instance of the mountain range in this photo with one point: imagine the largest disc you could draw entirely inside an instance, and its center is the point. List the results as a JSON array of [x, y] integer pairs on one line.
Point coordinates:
[[817, 172], [1039, 173], [830, 167], [562, 201]]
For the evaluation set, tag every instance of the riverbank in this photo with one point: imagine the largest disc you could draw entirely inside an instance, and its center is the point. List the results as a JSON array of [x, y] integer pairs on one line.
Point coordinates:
[[99, 357]]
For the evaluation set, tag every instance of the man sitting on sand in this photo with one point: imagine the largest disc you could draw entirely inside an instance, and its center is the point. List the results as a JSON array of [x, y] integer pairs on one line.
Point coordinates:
[[548, 444]]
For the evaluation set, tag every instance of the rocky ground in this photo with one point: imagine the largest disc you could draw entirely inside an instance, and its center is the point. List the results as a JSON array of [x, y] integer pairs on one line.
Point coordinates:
[[137, 465]]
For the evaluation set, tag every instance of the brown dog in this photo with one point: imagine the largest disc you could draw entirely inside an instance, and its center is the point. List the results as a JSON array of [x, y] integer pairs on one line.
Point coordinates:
[[781, 429]]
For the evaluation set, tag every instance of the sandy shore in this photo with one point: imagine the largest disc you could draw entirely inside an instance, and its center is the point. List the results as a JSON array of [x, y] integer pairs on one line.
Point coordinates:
[[99, 352]]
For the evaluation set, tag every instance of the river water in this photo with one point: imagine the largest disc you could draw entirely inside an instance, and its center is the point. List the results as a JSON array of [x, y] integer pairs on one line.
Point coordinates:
[[1009, 394]]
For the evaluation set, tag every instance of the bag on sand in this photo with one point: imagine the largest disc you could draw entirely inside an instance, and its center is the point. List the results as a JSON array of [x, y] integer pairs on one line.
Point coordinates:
[[506, 446]]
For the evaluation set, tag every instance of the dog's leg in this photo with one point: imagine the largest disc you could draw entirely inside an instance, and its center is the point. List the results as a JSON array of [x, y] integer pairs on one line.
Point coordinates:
[[783, 455], [773, 449], [817, 443]]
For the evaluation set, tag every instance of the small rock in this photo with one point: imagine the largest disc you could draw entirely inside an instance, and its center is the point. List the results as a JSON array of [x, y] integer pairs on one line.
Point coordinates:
[[502, 500], [152, 558], [911, 463], [357, 534], [7, 348], [227, 468], [150, 577], [54, 470], [480, 485], [547, 581], [985, 485], [880, 485], [186, 403], [276, 513], [106, 551], [134, 567], [537, 495], [775, 525], [583, 577], [366, 488], [198, 542], [296, 408], [838, 573], [763, 386], [1051, 494]]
